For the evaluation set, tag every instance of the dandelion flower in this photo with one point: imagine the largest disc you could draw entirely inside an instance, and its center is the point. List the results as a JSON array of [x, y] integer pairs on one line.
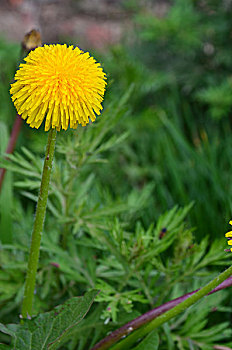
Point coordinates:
[[61, 84], [228, 235]]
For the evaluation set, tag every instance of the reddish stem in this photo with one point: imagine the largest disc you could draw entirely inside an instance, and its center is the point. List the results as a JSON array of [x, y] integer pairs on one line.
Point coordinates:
[[30, 41], [11, 144], [140, 321]]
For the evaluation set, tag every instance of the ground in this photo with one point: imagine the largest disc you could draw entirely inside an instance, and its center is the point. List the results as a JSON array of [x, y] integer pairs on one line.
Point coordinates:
[[88, 23]]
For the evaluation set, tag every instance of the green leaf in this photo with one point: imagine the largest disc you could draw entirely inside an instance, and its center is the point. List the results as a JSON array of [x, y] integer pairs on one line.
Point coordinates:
[[6, 330], [4, 347], [151, 342], [170, 342], [6, 195], [49, 330]]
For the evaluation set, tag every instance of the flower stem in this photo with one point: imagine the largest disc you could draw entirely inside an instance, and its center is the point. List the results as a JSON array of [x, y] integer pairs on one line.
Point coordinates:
[[38, 227], [146, 318], [139, 334], [11, 145], [26, 46]]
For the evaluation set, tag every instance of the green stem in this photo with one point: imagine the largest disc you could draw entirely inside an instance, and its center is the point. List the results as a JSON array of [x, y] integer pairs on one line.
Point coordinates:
[[38, 227], [139, 334]]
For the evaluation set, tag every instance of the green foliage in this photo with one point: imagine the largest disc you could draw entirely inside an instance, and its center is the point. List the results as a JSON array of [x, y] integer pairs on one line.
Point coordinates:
[[179, 31], [151, 342], [6, 193], [180, 67], [139, 200], [218, 98], [9, 56], [192, 328], [49, 330]]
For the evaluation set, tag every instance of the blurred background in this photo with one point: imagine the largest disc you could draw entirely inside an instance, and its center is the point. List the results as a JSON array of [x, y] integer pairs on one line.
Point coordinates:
[[96, 24], [177, 56], [164, 138]]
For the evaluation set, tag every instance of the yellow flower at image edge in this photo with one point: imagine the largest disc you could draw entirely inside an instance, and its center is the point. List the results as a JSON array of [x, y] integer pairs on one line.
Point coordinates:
[[61, 84], [228, 235]]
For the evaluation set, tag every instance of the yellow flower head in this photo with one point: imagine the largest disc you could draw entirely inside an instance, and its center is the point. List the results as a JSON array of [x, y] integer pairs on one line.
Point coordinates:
[[228, 235], [63, 85]]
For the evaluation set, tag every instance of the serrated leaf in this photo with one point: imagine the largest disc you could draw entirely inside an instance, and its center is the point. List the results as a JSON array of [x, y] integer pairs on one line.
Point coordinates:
[[48, 330], [151, 342]]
